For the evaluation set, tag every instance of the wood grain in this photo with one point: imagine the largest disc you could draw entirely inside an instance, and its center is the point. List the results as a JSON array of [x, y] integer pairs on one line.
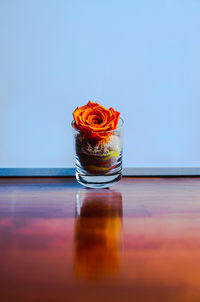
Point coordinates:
[[139, 241]]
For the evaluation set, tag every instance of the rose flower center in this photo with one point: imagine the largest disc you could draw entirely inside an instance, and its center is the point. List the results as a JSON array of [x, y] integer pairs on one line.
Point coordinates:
[[95, 119]]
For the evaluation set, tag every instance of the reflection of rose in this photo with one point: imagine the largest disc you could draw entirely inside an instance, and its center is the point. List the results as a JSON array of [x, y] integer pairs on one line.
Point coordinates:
[[98, 234], [95, 120]]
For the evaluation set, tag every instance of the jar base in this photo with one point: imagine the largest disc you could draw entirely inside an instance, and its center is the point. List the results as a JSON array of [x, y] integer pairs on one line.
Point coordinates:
[[98, 181]]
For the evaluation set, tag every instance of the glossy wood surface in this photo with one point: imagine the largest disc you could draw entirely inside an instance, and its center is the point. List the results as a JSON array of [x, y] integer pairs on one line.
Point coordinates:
[[139, 241]]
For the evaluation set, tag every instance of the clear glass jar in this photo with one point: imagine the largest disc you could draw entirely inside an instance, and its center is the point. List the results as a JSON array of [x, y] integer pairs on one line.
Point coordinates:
[[98, 162]]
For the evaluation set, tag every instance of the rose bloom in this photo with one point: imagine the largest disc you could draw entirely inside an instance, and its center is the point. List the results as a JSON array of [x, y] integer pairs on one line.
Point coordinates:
[[95, 121]]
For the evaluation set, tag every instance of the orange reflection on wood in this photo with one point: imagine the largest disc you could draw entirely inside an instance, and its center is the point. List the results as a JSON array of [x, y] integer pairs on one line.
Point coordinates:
[[98, 228]]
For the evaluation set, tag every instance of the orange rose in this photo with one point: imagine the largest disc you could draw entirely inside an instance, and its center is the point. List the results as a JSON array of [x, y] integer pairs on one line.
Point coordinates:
[[95, 120]]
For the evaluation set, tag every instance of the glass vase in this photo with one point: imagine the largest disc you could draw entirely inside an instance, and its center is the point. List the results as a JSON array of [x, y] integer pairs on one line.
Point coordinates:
[[98, 162]]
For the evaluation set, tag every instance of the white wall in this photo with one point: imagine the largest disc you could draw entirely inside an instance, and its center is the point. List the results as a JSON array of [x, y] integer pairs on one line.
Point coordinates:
[[141, 57]]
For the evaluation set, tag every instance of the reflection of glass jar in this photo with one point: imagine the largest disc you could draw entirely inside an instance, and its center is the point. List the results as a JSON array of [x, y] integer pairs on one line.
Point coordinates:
[[98, 231], [98, 162]]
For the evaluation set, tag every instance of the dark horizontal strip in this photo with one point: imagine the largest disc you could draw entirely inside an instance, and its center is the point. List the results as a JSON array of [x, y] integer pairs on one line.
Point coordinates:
[[14, 172]]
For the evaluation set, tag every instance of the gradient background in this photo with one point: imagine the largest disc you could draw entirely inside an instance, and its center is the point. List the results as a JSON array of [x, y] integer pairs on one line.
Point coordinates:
[[141, 57]]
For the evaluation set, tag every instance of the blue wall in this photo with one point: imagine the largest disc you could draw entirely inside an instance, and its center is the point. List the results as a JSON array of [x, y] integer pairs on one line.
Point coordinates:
[[141, 57]]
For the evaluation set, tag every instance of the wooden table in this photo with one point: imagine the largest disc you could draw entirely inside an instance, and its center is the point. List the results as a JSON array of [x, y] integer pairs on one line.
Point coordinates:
[[139, 241]]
